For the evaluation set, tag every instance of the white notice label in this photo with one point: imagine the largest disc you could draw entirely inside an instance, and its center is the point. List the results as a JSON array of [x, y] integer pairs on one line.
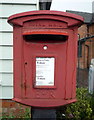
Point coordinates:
[[45, 71]]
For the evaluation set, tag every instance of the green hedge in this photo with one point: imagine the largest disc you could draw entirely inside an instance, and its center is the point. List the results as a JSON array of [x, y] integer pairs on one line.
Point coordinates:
[[83, 109]]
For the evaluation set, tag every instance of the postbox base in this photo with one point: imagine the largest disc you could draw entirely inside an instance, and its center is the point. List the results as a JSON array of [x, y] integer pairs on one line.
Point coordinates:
[[45, 103], [41, 114]]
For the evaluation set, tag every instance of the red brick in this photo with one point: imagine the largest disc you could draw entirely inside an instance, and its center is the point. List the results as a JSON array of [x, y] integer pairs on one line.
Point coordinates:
[[8, 104], [4, 110]]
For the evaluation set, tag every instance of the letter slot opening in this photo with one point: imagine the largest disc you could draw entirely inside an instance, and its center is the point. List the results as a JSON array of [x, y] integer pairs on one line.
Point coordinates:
[[46, 37]]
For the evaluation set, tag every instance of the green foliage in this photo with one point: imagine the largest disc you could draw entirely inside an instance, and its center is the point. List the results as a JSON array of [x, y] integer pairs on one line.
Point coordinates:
[[27, 113], [22, 115], [83, 109]]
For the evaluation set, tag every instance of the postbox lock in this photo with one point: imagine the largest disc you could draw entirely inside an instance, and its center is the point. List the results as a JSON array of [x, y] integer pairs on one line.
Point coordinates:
[[25, 63]]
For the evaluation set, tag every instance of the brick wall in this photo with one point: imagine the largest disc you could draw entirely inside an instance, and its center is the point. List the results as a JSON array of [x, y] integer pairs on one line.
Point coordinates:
[[11, 109], [91, 31], [83, 31], [87, 47]]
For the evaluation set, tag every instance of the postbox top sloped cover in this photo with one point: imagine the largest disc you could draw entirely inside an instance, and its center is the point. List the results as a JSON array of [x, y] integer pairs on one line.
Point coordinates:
[[69, 18]]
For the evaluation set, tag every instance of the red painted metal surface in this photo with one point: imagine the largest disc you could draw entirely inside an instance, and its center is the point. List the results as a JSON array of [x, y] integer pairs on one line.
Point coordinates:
[[58, 32], [45, 33]]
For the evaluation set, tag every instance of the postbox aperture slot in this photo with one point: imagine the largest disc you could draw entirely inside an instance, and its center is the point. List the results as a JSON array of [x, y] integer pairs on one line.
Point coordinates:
[[45, 38]]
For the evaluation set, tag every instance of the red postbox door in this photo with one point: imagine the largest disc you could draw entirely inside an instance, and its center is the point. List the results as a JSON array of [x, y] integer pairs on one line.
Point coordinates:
[[45, 67]]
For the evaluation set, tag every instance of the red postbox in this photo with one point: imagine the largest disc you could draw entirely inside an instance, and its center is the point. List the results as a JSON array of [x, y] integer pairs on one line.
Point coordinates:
[[45, 56]]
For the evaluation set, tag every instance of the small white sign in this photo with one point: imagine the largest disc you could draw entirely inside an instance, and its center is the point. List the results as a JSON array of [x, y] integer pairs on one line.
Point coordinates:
[[45, 71]]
